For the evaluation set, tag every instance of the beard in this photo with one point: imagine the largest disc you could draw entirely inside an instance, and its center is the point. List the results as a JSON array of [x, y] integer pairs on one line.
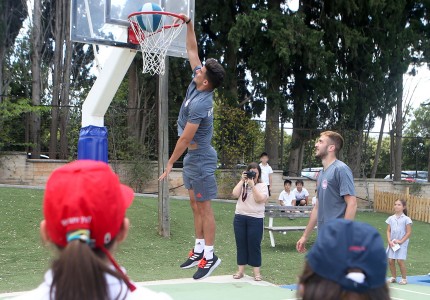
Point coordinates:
[[321, 153]]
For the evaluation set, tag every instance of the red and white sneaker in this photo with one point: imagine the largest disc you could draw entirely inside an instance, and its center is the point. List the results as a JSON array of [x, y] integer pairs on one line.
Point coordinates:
[[206, 267], [193, 260]]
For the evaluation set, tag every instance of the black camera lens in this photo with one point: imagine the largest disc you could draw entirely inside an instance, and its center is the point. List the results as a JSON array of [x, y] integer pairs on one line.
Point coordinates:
[[250, 174]]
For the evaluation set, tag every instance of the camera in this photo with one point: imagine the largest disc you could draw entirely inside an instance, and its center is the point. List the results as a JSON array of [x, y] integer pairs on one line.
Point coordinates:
[[250, 174]]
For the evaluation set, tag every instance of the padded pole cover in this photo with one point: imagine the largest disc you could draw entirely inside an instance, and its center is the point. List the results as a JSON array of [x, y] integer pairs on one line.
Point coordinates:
[[93, 143]]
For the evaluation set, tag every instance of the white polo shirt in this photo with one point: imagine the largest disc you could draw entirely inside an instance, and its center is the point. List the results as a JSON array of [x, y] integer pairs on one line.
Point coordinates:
[[265, 171], [287, 198], [301, 195]]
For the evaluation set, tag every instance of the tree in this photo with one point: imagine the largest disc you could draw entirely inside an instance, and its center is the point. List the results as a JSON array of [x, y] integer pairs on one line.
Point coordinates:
[[420, 128], [36, 90], [12, 16], [235, 136], [213, 24], [261, 35]]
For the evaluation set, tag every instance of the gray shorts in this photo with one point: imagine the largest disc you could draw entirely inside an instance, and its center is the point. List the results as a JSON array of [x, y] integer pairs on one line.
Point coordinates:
[[199, 173]]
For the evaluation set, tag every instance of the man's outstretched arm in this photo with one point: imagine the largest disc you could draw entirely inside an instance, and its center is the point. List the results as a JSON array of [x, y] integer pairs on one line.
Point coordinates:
[[192, 50], [181, 145]]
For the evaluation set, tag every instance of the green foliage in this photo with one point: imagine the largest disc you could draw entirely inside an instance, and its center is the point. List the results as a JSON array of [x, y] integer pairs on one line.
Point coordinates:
[[416, 150], [384, 158], [12, 16], [13, 119], [415, 188], [235, 136]]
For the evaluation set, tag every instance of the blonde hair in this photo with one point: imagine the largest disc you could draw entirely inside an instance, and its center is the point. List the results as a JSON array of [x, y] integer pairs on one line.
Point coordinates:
[[336, 138]]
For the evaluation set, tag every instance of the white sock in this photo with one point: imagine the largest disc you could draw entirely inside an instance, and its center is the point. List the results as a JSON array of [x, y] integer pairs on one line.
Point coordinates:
[[209, 252], [199, 246]]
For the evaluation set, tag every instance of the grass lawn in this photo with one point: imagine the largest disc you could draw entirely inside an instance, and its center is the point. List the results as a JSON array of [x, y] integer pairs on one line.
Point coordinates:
[[147, 256]]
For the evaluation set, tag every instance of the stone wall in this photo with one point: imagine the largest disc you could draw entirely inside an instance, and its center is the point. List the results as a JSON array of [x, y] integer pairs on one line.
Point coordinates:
[[16, 169]]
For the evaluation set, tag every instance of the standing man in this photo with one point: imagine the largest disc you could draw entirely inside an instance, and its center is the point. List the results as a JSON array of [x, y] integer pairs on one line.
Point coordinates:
[[335, 187], [195, 130]]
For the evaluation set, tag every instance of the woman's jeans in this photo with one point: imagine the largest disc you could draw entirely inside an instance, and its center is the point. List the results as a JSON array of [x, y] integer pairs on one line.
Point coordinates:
[[248, 232]]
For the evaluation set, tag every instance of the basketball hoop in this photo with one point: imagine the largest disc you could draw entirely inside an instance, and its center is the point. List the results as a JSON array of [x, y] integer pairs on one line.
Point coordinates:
[[154, 31]]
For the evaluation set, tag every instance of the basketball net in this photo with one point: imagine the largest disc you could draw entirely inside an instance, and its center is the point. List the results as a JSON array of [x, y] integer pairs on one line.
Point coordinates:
[[154, 42]]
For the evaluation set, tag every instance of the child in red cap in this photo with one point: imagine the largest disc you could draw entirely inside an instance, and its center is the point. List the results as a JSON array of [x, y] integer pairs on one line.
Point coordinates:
[[84, 208]]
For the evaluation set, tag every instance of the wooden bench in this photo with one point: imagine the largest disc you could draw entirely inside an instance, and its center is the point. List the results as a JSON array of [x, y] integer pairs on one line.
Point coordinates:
[[290, 212]]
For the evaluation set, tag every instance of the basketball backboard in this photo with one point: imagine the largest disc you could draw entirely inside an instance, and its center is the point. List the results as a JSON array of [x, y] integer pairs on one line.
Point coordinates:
[[104, 22]]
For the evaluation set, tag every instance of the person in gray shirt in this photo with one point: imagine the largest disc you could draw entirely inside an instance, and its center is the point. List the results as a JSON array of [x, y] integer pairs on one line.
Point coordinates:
[[335, 187], [195, 130]]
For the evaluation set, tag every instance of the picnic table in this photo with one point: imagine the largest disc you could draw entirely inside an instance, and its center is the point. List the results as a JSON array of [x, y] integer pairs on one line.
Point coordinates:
[[290, 212]]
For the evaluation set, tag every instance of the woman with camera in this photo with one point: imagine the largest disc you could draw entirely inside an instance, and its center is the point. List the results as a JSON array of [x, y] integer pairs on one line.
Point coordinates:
[[248, 224]]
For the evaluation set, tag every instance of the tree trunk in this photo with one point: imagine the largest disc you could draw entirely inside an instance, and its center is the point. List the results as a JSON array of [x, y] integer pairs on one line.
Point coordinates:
[[296, 147], [297, 141], [65, 91], [36, 91], [355, 146], [378, 149], [272, 123], [398, 130], [231, 74], [2, 54], [56, 79], [272, 133], [271, 142]]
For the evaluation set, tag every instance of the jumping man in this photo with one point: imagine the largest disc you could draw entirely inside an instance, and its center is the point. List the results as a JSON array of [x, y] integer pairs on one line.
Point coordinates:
[[195, 130]]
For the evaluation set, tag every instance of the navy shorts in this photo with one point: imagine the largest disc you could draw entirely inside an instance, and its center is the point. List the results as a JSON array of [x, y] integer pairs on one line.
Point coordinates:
[[199, 173]]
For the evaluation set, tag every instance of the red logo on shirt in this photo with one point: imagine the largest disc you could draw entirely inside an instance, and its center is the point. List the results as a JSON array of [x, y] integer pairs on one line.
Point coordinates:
[[199, 195], [324, 184]]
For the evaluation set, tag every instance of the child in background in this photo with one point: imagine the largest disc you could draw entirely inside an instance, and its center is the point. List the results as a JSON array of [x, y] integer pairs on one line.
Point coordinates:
[[398, 232], [315, 198], [286, 197], [266, 170], [301, 193]]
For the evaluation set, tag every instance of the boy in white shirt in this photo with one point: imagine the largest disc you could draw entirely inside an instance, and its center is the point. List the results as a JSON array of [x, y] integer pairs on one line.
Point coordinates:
[[266, 170], [287, 197], [301, 193]]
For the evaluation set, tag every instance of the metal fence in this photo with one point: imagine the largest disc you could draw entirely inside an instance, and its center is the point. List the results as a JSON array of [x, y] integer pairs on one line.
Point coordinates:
[[237, 144]]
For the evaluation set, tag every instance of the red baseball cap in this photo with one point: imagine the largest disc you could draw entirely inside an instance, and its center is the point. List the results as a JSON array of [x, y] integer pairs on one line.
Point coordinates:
[[87, 195]]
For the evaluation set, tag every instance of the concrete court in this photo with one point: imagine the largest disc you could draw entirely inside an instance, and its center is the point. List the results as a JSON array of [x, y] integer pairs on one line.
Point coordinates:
[[225, 288]]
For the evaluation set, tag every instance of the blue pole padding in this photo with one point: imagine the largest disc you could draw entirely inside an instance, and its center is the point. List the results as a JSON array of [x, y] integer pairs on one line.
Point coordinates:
[[93, 143]]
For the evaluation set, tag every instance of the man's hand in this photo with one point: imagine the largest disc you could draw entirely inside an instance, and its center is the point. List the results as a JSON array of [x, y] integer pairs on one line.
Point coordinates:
[[166, 171], [184, 16], [301, 245]]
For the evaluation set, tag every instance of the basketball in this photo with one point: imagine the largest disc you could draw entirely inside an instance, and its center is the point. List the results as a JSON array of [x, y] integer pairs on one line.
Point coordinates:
[[150, 22]]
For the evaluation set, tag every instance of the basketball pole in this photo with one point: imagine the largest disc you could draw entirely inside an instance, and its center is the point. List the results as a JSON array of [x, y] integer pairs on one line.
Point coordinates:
[[163, 151]]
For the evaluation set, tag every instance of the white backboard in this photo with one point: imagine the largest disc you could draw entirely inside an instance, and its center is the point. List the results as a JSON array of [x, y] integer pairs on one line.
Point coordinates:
[[104, 22]]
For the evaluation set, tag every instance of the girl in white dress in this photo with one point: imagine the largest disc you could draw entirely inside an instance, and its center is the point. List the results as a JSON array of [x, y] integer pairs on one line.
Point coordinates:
[[398, 232]]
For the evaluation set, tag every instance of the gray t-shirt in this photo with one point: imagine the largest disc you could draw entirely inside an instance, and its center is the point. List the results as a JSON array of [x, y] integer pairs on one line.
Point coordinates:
[[333, 184], [197, 108]]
